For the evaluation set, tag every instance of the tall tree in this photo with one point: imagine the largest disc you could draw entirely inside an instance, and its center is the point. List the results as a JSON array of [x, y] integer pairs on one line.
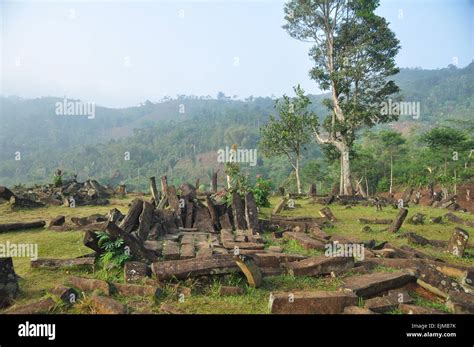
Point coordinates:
[[287, 134], [354, 54]]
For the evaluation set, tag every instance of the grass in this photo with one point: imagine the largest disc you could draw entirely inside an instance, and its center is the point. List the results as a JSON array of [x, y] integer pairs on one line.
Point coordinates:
[[205, 297]]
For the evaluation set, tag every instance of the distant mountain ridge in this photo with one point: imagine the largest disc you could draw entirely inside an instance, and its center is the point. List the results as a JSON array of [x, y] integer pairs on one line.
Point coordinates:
[[173, 136]]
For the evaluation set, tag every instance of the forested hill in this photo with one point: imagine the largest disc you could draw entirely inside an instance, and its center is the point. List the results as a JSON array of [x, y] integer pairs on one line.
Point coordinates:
[[180, 136]]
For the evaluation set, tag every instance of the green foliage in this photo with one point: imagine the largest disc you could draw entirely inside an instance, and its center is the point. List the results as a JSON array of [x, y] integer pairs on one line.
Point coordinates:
[[291, 131], [241, 183], [57, 180], [169, 145], [288, 134], [115, 254], [353, 57], [261, 191]]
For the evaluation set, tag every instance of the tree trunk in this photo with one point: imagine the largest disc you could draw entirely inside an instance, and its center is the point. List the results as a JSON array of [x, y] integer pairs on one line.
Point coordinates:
[[341, 182], [346, 171], [391, 174], [297, 173], [214, 182]]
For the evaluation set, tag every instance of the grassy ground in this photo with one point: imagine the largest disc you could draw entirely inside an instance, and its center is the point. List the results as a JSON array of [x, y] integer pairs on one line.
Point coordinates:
[[205, 297]]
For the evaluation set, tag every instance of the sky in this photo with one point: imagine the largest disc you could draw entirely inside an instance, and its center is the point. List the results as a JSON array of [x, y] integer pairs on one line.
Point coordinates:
[[121, 53]]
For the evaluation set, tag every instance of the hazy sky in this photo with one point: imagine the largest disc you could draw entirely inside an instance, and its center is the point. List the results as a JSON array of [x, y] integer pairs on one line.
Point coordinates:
[[119, 53]]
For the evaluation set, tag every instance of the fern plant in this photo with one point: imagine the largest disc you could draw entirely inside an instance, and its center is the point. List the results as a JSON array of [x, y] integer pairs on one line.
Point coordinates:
[[115, 253]]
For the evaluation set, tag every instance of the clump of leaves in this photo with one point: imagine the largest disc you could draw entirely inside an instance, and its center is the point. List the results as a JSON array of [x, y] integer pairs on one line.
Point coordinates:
[[115, 253], [261, 191], [240, 182]]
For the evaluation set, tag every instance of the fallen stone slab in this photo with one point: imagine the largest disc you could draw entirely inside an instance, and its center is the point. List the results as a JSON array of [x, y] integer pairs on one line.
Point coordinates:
[[106, 305], [320, 265], [89, 284], [414, 309], [422, 241], [305, 240], [458, 242], [250, 269], [9, 287], [49, 263], [381, 304], [92, 219], [243, 245], [272, 271], [389, 302], [357, 310], [401, 296], [314, 302], [375, 221], [275, 249], [436, 220], [137, 290], [182, 269], [468, 277], [460, 303], [136, 247], [135, 271], [131, 220], [57, 221], [227, 235], [171, 250], [21, 226], [170, 309], [318, 234], [397, 223], [91, 240], [229, 290], [372, 284], [417, 219], [451, 270], [274, 259], [436, 282], [300, 221], [18, 202], [458, 220], [154, 246], [358, 270], [395, 263], [417, 239], [414, 253], [38, 307], [404, 251], [279, 207], [327, 213], [5, 193], [187, 251], [67, 295]]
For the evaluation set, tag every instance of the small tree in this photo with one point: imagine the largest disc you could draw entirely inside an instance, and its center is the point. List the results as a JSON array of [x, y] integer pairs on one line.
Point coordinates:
[[392, 142], [444, 140], [288, 134]]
